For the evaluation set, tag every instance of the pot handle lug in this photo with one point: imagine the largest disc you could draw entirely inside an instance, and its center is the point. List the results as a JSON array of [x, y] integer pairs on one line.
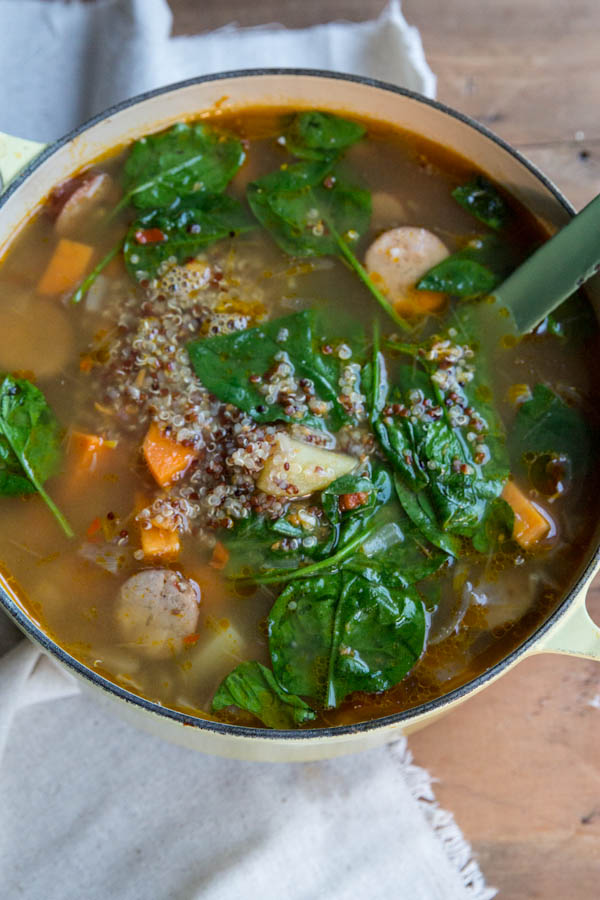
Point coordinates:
[[576, 634], [15, 153]]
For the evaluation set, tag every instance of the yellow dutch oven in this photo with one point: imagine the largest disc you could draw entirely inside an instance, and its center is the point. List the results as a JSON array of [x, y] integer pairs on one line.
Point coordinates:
[[30, 170]]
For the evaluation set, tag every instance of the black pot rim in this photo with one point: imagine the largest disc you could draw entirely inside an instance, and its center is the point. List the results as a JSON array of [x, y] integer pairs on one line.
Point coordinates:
[[238, 731]]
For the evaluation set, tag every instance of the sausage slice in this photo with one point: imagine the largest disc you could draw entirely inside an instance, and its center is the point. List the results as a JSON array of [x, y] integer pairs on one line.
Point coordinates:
[[156, 609], [397, 259]]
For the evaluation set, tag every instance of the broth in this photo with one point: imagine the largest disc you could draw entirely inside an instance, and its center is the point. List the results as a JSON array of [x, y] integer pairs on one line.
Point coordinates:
[[117, 361]]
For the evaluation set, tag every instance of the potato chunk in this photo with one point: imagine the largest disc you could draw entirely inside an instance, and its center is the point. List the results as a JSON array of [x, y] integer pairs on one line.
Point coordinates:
[[295, 469], [397, 259]]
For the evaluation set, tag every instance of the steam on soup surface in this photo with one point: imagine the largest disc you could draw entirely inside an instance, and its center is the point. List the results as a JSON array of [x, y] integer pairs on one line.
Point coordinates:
[[263, 458]]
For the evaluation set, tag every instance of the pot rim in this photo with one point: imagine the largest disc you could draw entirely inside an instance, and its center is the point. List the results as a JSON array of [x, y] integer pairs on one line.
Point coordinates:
[[240, 731]]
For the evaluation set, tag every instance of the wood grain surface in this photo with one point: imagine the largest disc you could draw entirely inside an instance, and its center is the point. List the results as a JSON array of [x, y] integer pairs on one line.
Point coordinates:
[[519, 765]]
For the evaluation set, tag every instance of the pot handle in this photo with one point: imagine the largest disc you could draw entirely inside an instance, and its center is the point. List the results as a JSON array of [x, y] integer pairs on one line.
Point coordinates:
[[15, 153], [576, 634]]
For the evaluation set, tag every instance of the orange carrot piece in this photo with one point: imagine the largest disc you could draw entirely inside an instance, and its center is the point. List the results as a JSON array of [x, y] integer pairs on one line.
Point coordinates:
[[530, 525], [415, 303], [66, 268], [94, 528], [88, 449], [165, 457], [191, 639], [158, 543], [220, 556]]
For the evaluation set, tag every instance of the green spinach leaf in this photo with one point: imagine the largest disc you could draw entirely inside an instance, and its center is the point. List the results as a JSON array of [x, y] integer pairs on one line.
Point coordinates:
[[318, 135], [432, 425], [346, 524], [268, 551], [186, 159], [419, 509], [460, 277], [181, 231], [253, 687], [473, 271], [30, 439], [225, 364], [545, 426], [481, 198], [257, 544], [311, 210], [397, 555], [305, 217], [338, 633], [496, 526]]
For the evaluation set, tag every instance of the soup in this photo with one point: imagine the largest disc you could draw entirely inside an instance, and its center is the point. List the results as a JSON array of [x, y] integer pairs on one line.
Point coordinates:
[[268, 453]]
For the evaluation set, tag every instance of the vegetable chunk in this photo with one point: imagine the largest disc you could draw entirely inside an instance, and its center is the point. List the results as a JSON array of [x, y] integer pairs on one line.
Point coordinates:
[[397, 259], [158, 543], [530, 525], [165, 457], [67, 266], [296, 469], [88, 450]]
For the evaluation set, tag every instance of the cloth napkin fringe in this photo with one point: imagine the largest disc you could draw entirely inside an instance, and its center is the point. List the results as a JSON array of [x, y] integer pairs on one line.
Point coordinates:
[[457, 849]]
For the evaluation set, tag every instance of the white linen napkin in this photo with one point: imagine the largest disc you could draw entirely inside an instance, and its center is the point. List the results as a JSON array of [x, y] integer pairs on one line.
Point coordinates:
[[90, 807], [62, 62]]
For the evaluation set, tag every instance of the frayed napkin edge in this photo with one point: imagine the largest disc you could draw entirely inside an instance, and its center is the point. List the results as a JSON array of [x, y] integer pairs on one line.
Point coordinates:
[[454, 844]]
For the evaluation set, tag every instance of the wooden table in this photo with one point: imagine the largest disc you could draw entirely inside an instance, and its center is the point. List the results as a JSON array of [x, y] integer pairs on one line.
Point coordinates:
[[519, 765]]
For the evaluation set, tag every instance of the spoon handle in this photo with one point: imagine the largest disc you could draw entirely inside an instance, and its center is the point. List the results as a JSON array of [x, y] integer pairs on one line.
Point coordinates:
[[555, 271]]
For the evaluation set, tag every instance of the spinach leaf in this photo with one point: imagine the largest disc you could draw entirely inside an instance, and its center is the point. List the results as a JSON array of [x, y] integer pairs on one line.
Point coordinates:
[[473, 271], [253, 687], [181, 230], [301, 633], [226, 363], [186, 159], [319, 135], [306, 218], [460, 276], [420, 511], [379, 635], [545, 426], [310, 210], [267, 551], [30, 439], [13, 481], [397, 555], [439, 430], [346, 523], [481, 198], [496, 526], [257, 544], [335, 634], [333, 563]]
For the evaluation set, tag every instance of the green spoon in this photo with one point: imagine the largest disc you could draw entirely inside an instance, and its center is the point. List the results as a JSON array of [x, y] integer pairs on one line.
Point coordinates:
[[553, 272]]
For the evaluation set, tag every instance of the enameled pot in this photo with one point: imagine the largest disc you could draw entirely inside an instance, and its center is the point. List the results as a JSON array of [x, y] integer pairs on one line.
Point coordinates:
[[30, 170]]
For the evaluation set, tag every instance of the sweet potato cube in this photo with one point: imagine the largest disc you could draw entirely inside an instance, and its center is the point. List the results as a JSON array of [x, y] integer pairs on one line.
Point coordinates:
[[87, 451], [67, 266], [165, 457], [530, 525], [158, 543]]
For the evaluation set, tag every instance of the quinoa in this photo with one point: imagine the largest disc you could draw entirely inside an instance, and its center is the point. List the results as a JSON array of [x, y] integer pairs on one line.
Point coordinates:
[[143, 374]]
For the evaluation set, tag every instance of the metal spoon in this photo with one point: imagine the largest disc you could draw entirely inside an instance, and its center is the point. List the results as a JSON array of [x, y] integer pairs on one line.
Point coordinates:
[[555, 271]]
